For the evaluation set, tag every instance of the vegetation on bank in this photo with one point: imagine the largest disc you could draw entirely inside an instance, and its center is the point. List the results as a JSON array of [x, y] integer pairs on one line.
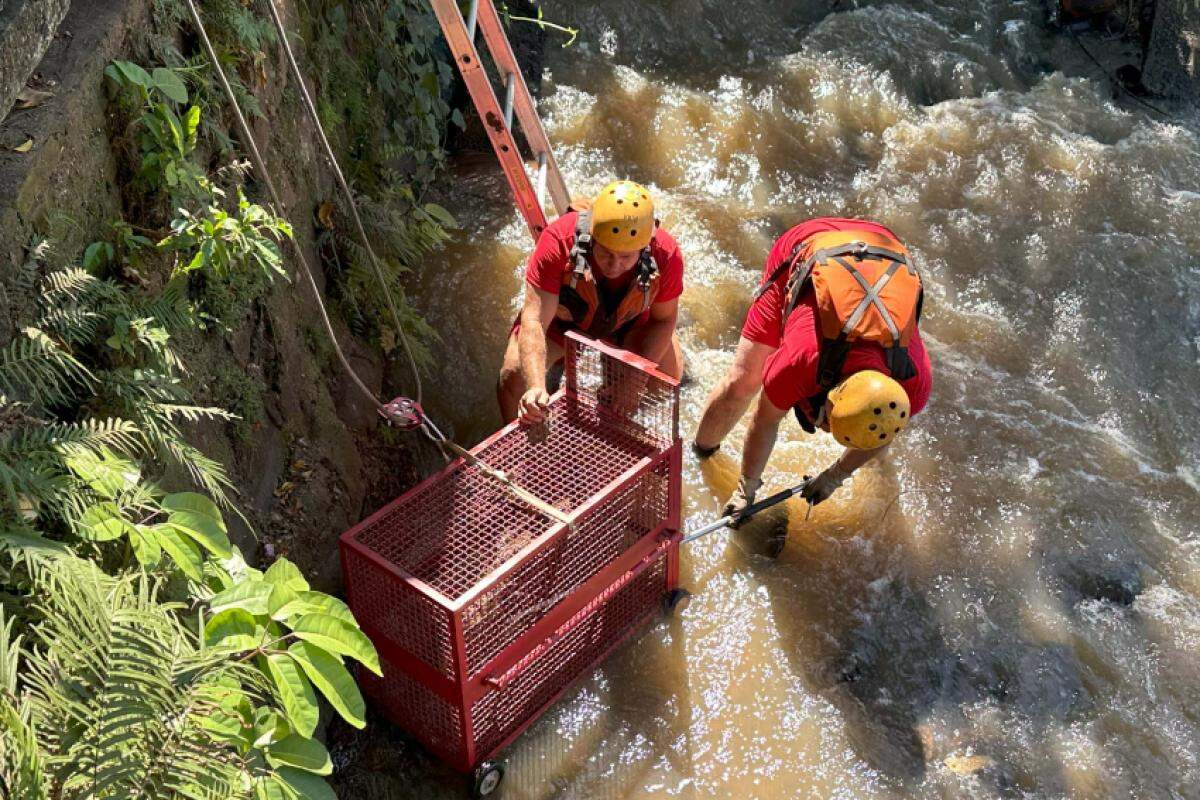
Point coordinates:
[[140, 655]]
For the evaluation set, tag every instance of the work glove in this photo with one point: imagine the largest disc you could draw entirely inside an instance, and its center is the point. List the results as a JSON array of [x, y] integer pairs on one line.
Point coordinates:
[[742, 498], [821, 487]]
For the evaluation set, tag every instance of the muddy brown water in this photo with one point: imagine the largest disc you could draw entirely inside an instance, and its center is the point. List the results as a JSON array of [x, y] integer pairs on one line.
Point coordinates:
[[1010, 604]]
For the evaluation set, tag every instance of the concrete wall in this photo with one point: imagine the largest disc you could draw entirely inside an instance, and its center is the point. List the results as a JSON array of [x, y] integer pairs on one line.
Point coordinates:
[[26, 29]]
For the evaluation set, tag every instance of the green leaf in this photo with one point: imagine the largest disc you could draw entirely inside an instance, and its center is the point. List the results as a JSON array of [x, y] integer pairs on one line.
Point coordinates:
[[134, 74], [95, 255], [170, 84], [233, 629], [333, 680], [185, 554], [294, 691], [191, 124], [29, 542], [301, 753], [457, 118], [233, 718], [249, 595], [337, 636], [103, 523], [145, 545], [282, 596], [316, 603], [285, 572], [305, 784], [269, 787], [197, 517], [269, 727], [106, 474], [443, 216]]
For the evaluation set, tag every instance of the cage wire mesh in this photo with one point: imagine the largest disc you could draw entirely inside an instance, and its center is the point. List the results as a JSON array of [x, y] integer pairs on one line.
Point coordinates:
[[453, 579]]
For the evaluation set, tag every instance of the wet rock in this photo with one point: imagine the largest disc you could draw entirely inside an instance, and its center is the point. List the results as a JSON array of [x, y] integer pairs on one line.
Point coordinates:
[[26, 29]]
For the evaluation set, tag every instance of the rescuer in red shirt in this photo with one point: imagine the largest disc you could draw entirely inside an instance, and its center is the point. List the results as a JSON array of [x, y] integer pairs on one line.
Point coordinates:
[[608, 271], [832, 334]]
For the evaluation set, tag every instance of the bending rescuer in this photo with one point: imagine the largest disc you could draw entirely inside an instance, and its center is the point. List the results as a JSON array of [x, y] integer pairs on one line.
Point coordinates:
[[606, 270], [831, 334]]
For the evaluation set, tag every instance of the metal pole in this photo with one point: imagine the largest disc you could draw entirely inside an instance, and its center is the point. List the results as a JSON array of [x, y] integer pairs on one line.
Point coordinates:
[[541, 180], [472, 17], [510, 90], [761, 505]]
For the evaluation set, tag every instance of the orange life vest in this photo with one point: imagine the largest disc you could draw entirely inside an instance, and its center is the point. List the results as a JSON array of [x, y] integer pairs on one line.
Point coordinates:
[[579, 300], [866, 289]]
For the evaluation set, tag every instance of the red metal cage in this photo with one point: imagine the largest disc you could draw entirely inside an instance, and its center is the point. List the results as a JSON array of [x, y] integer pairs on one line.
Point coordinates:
[[485, 608]]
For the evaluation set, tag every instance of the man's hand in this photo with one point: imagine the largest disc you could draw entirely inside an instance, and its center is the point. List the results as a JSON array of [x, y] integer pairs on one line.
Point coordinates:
[[742, 498], [821, 487], [535, 404]]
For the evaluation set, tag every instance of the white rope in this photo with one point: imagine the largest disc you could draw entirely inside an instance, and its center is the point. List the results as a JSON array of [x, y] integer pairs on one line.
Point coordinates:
[[261, 166], [341, 180]]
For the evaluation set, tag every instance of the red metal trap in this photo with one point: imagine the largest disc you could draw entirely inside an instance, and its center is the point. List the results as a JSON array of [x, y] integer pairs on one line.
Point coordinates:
[[485, 608]]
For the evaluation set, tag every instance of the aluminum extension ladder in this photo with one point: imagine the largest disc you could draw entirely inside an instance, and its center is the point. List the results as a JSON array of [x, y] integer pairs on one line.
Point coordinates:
[[497, 121]]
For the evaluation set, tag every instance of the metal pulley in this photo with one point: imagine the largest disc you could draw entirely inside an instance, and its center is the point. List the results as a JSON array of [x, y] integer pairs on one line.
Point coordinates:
[[404, 413]]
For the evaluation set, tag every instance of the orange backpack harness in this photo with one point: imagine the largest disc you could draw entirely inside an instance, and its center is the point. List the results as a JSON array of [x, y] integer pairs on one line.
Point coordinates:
[[579, 300], [866, 289]]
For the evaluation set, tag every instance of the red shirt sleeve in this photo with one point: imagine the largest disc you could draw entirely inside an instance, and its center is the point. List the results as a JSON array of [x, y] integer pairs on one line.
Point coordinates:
[[669, 258], [552, 255]]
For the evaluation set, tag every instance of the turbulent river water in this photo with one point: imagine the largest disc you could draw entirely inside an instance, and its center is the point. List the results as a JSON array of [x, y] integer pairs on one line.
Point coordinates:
[[1010, 604]]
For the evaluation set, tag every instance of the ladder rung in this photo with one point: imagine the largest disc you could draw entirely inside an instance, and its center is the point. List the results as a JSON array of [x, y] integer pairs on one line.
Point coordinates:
[[472, 19], [510, 90]]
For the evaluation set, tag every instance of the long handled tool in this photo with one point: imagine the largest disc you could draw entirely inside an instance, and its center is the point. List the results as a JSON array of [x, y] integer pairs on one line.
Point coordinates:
[[749, 512]]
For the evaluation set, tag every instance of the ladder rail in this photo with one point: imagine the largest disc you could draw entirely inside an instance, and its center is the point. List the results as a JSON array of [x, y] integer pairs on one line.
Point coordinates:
[[526, 111], [466, 58]]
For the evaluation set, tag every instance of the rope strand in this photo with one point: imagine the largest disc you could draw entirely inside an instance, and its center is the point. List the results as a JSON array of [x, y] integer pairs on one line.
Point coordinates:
[[261, 166], [311, 108]]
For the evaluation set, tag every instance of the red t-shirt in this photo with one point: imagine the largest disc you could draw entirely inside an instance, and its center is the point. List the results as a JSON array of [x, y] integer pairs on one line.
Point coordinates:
[[763, 320], [551, 260]]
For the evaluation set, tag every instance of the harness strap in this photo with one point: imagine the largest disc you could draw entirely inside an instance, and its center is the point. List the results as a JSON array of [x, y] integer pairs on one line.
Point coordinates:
[[871, 298], [581, 247], [858, 249]]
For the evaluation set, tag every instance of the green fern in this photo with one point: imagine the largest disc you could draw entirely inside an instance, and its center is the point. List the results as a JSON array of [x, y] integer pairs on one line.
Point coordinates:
[[35, 367], [117, 689]]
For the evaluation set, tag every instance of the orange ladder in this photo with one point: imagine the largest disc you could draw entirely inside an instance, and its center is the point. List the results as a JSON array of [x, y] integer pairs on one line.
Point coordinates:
[[497, 120]]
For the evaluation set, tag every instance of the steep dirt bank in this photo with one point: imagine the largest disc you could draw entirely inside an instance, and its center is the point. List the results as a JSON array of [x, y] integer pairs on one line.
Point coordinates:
[[309, 457]]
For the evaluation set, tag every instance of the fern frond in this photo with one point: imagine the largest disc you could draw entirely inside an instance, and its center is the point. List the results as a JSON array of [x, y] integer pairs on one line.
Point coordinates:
[[36, 367], [73, 283], [116, 684], [73, 324]]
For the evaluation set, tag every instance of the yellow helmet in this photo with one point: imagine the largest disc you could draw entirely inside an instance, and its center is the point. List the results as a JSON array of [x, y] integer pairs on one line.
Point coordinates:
[[623, 217], [867, 410]]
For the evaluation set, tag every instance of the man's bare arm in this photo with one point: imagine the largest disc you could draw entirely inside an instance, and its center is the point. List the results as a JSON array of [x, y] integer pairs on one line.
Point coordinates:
[[536, 316], [760, 439]]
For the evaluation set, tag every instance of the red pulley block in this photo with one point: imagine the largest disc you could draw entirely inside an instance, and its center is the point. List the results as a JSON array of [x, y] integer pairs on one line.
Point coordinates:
[[404, 413]]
